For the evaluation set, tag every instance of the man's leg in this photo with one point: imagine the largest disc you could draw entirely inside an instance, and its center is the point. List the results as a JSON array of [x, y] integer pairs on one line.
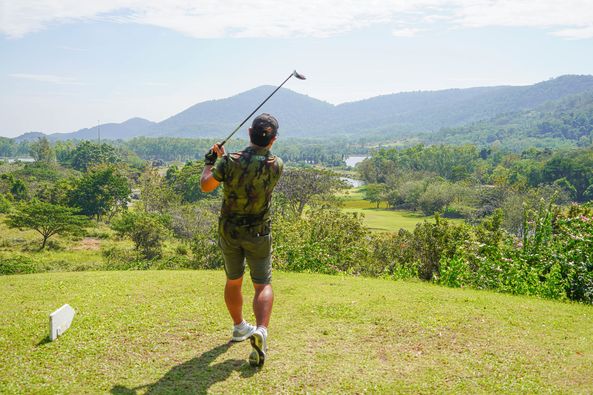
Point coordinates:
[[258, 254], [262, 307], [233, 298], [262, 304]]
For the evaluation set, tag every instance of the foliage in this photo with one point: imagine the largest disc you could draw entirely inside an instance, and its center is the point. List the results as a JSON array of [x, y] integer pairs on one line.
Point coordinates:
[[375, 193], [17, 264], [301, 187], [565, 122], [4, 204], [89, 154], [186, 181], [42, 151], [46, 218], [146, 230], [103, 190], [189, 221], [157, 195], [465, 182], [324, 240], [14, 186]]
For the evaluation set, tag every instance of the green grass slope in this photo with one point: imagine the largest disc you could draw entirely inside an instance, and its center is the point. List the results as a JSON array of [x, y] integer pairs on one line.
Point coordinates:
[[167, 332]]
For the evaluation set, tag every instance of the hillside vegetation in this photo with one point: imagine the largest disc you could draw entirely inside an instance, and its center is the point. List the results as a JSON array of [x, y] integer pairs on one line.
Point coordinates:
[[562, 123], [167, 332]]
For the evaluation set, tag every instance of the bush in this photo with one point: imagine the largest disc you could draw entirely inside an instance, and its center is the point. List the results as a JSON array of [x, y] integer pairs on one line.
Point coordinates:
[[433, 242], [205, 251], [123, 259], [454, 272], [19, 264], [4, 204], [324, 240], [146, 230]]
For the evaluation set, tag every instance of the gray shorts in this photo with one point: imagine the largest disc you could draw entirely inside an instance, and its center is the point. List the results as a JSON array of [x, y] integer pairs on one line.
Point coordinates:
[[246, 243]]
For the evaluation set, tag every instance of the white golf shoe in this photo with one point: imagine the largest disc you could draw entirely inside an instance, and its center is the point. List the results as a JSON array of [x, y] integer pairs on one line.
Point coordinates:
[[242, 332], [259, 348]]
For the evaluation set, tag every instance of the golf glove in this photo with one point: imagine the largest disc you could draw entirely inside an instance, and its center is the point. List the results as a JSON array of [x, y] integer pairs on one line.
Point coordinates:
[[210, 158]]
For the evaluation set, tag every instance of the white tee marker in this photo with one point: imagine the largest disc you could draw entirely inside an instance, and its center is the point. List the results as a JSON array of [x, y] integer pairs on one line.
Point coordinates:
[[60, 320]]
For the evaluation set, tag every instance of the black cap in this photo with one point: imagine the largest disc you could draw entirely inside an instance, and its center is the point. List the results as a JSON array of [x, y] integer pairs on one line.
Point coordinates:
[[265, 123], [263, 129]]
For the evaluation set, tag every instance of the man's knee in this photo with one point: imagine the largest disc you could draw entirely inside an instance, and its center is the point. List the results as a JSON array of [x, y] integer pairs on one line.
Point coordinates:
[[262, 287], [237, 282]]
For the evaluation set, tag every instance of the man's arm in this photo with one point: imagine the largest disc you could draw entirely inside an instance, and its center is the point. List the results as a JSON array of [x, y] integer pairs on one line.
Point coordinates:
[[208, 183]]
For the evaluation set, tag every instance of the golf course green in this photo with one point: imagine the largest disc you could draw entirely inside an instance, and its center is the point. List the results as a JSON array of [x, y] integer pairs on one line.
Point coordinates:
[[167, 332]]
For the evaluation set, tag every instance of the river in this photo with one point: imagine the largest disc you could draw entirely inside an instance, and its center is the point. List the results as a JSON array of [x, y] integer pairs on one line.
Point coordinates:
[[353, 160]]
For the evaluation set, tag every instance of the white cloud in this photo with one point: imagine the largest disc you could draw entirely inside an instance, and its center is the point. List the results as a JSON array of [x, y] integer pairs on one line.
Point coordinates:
[[406, 32], [305, 18], [48, 78]]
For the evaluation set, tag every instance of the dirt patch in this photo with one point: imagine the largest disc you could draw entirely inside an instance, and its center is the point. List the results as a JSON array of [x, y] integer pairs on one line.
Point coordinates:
[[89, 244]]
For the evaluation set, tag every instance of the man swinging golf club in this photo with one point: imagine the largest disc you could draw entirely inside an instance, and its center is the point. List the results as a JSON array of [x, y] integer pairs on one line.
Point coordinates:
[[248, 178]]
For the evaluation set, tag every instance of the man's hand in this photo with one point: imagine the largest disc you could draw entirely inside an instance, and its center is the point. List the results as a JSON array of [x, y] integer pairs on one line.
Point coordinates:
[[214, 153]]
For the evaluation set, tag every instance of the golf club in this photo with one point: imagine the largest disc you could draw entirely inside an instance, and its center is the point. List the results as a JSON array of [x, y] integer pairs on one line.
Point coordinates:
[[293, 74]]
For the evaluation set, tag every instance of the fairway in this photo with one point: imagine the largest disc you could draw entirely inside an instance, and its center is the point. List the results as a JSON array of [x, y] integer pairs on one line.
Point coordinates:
[[167, 332], [383, 219]]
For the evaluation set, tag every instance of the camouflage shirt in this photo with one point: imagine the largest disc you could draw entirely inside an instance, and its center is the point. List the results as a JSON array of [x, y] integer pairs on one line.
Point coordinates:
[[248, 178]]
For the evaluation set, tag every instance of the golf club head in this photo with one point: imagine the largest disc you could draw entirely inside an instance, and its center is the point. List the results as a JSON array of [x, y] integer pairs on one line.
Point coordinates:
[[297, 75]]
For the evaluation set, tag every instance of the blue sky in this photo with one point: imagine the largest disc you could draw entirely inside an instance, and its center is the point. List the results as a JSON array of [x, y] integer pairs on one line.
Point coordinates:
[[66, 64]]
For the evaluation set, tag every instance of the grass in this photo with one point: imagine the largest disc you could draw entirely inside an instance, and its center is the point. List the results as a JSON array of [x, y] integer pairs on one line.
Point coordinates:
[[63, 253], [167, 332], [383, 219]]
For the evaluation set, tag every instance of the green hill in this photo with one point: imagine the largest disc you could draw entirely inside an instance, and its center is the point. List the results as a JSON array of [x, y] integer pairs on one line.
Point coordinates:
[[559, 123], [166, 332], [381, 117]]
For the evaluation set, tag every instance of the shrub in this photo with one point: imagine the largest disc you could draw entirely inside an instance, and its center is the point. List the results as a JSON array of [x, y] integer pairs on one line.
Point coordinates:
[[19, 264], [205, 251], [4, 204], [432, 242], [454, 272], [123, 259], [146, 230], [324, 240]]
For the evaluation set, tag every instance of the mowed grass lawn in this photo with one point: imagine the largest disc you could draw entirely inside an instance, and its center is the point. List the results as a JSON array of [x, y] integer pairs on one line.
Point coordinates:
[[167, 332], [382, 219]]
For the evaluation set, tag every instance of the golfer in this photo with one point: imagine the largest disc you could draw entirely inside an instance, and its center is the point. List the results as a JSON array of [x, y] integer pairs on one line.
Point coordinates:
[[249, 177]]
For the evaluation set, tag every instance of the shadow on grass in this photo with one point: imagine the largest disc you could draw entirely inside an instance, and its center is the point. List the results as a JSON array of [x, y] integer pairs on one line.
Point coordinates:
[[194, 376], [43, 341]]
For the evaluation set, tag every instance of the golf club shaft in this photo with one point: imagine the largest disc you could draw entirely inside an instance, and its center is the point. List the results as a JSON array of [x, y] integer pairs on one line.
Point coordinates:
[[258, 107]]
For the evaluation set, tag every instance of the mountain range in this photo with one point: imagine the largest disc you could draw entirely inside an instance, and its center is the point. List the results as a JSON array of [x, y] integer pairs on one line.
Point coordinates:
[[391, 115]]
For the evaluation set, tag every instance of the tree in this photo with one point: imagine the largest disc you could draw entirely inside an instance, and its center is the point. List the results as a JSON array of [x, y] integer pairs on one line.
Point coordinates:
[[566, 186], [42, 151], [88, 154], [186, 181], [300, 186], [46, 218], [103, 190], [435, 198], [155, 192], [375, 193], [16, 187]]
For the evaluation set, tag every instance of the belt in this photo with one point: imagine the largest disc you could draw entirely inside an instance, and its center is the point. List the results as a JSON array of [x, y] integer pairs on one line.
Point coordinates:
[[245, 220]]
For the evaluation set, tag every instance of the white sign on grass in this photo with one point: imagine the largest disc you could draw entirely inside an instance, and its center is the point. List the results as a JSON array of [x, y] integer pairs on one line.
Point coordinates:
[[60, 320]]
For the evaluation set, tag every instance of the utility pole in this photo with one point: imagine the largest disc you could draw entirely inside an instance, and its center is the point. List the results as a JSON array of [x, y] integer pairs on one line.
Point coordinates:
[[98, 132]]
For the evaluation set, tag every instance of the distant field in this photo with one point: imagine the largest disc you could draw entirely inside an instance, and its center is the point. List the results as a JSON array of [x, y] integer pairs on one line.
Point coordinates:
[[383, 219], [166, 332]]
